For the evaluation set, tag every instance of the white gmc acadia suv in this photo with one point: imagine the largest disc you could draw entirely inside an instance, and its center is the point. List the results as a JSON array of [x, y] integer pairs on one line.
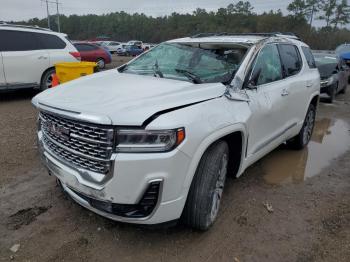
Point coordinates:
[[153, 141], [28, 55]]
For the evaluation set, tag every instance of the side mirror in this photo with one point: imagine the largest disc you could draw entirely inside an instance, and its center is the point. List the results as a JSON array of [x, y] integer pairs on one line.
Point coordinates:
[[252, 82]]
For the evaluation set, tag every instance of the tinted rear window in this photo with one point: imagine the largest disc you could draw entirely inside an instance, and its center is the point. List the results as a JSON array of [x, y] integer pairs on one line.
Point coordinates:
[[291, 59], [85, 47], [18, 41], [309, 57], [28, 41], [51, 41]]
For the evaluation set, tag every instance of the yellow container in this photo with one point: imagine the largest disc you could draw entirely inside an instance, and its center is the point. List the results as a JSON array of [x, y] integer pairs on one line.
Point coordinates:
[[72, 70]]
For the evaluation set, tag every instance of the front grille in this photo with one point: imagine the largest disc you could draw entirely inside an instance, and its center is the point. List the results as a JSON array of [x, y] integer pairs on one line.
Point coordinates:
[[84, 145]]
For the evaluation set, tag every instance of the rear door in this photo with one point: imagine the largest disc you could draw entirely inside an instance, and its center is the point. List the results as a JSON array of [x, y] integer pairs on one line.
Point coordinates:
[[297, 81], [2, 74], [58, 49], [24, 59], [268, 102]]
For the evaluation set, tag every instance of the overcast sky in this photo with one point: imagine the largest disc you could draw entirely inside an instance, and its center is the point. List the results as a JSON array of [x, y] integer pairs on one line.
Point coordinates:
[[19, 10], [25, 9]]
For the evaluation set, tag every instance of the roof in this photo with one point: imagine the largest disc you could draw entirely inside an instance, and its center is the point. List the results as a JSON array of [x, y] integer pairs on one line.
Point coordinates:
[[246, 38], [29, 28], [220, 39]]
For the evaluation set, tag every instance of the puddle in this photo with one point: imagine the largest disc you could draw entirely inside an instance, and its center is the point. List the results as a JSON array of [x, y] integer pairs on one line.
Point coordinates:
[[331, 139]]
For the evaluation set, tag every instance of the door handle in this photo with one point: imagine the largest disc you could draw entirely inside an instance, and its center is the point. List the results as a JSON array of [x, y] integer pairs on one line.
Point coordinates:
[[309, 84], [284, 92], [42, 57]]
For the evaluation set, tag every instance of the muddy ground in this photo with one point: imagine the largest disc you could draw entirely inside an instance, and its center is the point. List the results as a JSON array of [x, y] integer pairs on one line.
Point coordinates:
[[308, 190]]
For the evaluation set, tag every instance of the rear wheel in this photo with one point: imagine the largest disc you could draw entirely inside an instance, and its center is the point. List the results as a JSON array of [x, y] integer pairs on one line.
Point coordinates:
[[203, 201], [46, 79], [101, 64], [303, 138]]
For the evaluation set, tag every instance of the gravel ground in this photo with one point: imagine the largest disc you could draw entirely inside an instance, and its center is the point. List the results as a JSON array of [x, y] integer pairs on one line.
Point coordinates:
[[308, 191]]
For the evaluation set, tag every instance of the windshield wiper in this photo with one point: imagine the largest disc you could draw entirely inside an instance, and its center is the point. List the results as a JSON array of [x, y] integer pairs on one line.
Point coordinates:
[[193, 77], [157, 71]]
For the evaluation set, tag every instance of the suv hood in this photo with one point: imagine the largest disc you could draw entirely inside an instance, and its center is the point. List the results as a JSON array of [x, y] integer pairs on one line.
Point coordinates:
[[327, 70], [123, 99]]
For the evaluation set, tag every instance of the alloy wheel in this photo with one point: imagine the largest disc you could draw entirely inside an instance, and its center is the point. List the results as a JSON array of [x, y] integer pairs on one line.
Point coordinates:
[[219, 187], [309, 126]]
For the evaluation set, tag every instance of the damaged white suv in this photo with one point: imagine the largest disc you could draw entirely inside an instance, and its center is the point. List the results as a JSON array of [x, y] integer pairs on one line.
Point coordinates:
[[154, 140]]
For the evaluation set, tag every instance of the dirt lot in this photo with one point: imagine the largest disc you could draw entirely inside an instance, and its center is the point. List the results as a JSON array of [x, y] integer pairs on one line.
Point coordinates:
[[308, 190]]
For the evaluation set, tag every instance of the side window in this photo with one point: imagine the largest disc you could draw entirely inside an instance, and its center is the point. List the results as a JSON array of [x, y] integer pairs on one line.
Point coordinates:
[[84, 47], [291, 59], [309, 57], [79, 47], [50, 41], [18, 41], [267, 67]]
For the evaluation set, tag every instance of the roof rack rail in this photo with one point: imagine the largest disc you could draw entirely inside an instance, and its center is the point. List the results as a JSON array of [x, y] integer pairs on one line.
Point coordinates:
[[24, 26], [287, 34]]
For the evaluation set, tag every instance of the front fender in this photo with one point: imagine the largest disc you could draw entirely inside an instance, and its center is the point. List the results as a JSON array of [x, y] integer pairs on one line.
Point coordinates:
[[209, 140], [204, 124]]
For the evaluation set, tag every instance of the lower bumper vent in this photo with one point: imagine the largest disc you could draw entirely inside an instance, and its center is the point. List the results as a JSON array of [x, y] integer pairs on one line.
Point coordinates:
[[143, 209]]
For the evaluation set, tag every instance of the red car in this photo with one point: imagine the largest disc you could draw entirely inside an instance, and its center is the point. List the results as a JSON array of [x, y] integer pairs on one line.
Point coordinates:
[[94, 53]]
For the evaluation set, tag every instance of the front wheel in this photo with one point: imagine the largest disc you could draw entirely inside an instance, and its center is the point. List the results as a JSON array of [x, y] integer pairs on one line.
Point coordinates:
[[343, 91], [203, 201], [332, 93], [303, 138]]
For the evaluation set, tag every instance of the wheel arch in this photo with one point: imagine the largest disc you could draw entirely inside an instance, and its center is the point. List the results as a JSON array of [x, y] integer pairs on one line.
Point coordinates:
[[315, 100], [232, 135], [43, 74]]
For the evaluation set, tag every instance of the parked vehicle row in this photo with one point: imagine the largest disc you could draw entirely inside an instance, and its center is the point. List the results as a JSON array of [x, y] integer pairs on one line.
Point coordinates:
[[154, 140], [131, 48]]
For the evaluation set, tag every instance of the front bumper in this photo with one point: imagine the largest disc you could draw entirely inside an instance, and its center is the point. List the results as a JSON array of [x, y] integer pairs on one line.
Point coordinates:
[[326, 88], [128, 181]]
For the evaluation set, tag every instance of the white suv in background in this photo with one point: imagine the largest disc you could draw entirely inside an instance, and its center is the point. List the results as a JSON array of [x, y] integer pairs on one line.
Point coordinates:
[[154, 140], [28, 55], [112, 46]]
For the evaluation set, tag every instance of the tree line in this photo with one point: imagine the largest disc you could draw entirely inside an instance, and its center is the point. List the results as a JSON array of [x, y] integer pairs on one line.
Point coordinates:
[[238, 17]]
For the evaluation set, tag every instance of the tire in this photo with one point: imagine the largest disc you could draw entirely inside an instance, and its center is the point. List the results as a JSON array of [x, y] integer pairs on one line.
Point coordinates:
[[343, 91], [46, 79], [101, 64], [303, 138], [331, 93], [203, 200]]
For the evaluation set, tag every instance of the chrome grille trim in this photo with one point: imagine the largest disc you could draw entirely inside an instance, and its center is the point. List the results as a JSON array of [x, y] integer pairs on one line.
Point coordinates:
[[72, 151], [84, 145], [66, 156]]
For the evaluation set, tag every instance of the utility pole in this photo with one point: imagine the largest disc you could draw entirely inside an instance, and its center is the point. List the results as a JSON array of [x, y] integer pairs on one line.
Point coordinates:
[[48, 14], [58, 17]]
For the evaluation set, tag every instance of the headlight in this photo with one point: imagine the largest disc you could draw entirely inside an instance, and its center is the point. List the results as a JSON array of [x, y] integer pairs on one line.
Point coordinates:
[[140, 141], [328, 81]]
